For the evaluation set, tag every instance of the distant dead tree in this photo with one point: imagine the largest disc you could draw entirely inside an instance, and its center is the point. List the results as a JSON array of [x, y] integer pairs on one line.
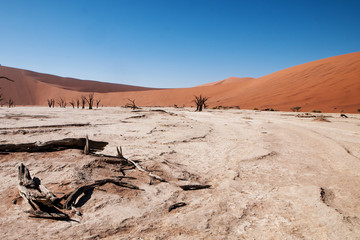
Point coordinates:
[[77, 103], [90, 100], [72, 103], [83, 102], [51, 102], [295, 109], [131, 104], [1, 99], [97, 103], [200, 102], [10, 103], [62, 103]]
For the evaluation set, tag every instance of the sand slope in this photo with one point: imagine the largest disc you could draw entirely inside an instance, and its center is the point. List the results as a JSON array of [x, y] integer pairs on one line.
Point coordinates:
[[329, 85]]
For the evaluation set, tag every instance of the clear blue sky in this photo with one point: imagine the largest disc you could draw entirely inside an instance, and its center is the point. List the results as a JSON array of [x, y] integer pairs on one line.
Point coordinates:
[[173, 43]]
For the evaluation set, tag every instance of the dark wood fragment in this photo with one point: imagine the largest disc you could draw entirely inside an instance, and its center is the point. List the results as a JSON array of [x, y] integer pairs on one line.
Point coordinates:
[[51, 146], [176, 205], [194, 187]]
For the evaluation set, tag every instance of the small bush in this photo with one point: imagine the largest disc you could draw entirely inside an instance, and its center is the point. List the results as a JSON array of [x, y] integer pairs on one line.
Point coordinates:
[[316, 111], [295, 109]]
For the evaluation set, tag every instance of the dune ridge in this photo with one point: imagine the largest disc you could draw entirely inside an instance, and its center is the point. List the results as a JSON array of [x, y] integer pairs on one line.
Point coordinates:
[[329, 85]]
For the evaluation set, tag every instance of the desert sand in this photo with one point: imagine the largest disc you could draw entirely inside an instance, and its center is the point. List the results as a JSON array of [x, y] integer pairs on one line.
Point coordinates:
[[273, 175], [327, 85]]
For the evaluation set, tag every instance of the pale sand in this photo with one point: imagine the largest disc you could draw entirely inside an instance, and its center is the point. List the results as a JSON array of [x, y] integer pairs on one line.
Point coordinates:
[[266, 170]]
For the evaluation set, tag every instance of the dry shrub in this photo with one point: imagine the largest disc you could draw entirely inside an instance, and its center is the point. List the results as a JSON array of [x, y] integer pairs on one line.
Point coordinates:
[[321, 118]]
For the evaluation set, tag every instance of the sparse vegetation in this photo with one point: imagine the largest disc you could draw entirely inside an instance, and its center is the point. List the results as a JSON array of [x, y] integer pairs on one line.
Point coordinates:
[[90, 100], [295, 109], [200, 102], [321, 118], [83, 102], [131, 104], [1, 99], [10, 103], [316, 111], [72, 103], [62, 102], [98, 103], [51, 103]]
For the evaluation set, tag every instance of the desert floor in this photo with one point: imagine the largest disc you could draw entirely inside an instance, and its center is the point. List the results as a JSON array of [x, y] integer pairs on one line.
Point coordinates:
[[273, 175]]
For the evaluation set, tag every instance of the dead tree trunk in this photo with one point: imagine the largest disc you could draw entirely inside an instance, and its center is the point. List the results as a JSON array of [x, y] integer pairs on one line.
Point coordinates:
[[56, 145], [151, 175], [90, 100], [200, 102], [41, 200]]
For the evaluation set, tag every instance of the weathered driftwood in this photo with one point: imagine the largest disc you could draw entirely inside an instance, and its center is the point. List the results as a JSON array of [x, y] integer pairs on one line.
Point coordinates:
[[47, 126], [87, 147], [176, 205], [71, 199], [45, 204], [151, 175], [41, 200], [56, 145], [194, 187]]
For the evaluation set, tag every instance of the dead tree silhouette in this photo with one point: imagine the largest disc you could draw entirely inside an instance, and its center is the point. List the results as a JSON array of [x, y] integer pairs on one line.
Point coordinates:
[[200, 102]]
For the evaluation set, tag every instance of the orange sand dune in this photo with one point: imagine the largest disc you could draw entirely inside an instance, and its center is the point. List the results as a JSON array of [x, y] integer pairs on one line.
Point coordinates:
[[227, 81], [329, 85]]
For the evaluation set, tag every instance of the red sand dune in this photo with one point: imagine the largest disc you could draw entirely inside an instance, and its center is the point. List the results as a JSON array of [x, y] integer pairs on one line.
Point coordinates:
[[329, 85], [227, 81]]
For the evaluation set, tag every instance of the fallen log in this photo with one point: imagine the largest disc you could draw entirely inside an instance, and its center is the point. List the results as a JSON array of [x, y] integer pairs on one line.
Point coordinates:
[[176, 205], [194, 187], [42, 201], [55, 145], [45, 204], [71, 198], [151, 175]]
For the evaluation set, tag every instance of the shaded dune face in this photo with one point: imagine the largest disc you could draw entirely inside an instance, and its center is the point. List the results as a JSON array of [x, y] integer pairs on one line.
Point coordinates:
[[329, 85]]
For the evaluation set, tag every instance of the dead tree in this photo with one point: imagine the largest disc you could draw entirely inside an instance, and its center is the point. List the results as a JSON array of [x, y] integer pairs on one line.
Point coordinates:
[[90, 100], [44, 204], [10, 103], [83, 102], [131, 104], [51, 103], [55, 145], [136, 165], [72, 103], [42, 201], [295, 109], [1, 99], [62, 103], [97, 103], [77, 103], [200, 102]]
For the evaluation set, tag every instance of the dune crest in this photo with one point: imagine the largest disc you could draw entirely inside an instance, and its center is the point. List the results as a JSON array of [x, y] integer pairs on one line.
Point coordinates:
[[329, 85]]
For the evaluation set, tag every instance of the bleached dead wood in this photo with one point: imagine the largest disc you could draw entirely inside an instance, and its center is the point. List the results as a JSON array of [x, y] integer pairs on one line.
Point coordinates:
[[71, 198], [56, 145], [194, 187], [176, 205], [41, 200], [151, 175]]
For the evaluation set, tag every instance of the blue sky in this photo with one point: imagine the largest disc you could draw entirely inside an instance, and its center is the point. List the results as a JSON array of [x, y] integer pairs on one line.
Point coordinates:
[[173, 43]]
